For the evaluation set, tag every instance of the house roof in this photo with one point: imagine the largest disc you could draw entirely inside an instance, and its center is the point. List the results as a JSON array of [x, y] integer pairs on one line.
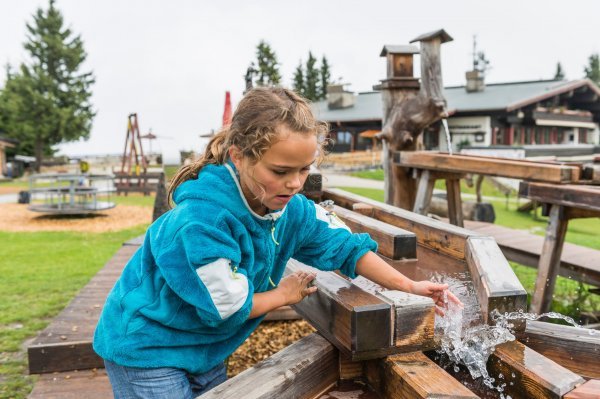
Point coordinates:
[[496, 97]]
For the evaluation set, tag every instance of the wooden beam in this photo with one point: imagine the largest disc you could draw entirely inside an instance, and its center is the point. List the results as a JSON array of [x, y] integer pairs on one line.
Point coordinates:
[[414, 319], [413, 316], [495, 283], [535, 376], [303, 370], [424, 193], [393, 242], [431, 233], [490, 166], [413, 375], [355, 321], [549, 263], [68, 356], [588, 390], [455, 213], [577, 349], [570, 195]]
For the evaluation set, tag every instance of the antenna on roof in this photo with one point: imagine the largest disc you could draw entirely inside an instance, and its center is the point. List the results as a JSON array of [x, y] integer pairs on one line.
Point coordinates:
[[480, 63]]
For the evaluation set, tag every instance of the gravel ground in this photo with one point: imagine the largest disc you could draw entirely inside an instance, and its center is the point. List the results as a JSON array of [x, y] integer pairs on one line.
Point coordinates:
[[269, 338], [16, 217]]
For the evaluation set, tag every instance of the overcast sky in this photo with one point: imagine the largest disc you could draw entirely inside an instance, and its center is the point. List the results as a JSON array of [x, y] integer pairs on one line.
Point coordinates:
[[172, 61]]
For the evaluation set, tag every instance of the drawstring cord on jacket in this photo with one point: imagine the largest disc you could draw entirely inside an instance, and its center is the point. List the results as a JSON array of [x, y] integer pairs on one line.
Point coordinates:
[[276, 243]]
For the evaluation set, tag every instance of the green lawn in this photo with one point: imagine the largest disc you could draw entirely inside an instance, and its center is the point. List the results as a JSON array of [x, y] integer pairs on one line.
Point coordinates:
[[41, 272], [570, 297]]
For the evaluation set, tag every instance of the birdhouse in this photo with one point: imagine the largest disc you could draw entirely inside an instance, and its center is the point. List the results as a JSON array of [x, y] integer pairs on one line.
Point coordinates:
[[399, 60], [400, 72]]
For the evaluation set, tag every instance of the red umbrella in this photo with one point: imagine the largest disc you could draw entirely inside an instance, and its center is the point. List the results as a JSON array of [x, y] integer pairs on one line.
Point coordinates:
[[227, 111]]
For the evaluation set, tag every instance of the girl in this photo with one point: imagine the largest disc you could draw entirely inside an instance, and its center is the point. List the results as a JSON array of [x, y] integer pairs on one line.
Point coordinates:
[[211, 267]]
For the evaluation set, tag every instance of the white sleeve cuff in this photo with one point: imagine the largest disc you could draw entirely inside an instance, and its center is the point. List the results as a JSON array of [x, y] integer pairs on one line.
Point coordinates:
[[228, 290]]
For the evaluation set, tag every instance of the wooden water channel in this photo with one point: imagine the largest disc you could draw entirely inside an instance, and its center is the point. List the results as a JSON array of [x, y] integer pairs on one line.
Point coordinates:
[[377, 344], [571, 189], [370, 343]]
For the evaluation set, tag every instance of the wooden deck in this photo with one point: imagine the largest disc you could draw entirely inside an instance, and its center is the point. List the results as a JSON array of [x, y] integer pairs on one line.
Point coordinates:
[[66, 344], [579, 263]]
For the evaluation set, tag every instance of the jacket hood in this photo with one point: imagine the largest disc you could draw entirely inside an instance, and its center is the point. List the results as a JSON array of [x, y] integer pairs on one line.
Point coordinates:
[[219, 185]]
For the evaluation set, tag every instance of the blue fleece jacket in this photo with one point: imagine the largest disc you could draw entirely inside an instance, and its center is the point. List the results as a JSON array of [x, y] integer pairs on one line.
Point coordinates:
[[184, 298]]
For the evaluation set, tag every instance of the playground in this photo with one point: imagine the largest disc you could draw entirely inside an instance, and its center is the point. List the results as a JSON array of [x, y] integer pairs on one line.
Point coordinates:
[[515, 238]]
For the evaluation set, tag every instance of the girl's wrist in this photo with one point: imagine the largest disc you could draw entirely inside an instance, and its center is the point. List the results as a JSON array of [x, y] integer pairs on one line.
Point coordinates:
[[408, 285]]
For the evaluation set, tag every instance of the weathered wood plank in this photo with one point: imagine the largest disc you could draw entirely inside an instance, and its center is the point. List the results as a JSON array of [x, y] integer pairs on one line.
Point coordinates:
[[354, 320], [570, 195], [490, 166], [62, 357], [393, 242], [535, 376], [574, 348], [304, 369], [413, 375], [89, 384], [495, 283], [549, 263], [431, 233], [588, 390]]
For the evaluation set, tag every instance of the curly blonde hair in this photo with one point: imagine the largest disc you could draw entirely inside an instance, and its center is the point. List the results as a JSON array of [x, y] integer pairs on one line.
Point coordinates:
[[254, 129]]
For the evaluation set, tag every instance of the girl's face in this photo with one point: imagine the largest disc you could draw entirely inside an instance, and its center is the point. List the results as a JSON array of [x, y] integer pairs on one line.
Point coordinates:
[[270, 183]]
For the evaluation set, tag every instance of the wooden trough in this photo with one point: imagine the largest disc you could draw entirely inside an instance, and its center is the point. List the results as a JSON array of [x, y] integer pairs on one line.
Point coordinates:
[[373, 343]]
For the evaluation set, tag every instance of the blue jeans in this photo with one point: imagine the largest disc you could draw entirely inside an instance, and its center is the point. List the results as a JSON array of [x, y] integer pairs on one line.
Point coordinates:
[[161, 383]]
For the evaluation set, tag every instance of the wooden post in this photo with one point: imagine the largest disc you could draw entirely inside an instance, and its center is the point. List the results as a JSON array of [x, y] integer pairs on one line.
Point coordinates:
[[407, 111], [424, 192], [455, 213], [549, 260]]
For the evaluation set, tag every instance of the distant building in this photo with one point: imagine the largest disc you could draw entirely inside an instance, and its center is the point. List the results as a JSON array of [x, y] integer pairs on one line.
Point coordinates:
[[514, 113], [4, 144]]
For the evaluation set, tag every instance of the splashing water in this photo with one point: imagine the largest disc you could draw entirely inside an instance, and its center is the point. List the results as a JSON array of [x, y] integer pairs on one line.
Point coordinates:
[[447, 130], [472, 346], [505, 319]]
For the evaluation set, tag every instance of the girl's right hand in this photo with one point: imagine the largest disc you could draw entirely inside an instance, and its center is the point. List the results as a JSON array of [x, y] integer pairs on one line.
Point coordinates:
[[295, 286]]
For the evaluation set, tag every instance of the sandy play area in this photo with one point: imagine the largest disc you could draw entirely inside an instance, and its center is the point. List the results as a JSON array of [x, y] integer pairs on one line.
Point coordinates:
[[16, 217]]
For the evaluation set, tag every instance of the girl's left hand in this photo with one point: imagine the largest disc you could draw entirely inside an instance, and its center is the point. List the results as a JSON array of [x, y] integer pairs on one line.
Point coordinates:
[[438, 292]]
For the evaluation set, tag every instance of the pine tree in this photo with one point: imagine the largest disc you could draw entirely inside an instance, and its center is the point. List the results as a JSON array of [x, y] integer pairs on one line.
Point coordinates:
[[311, 79], [559, 74], [268, 66], [298, 83], [592, 71], [47, 101], [325, 78]]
